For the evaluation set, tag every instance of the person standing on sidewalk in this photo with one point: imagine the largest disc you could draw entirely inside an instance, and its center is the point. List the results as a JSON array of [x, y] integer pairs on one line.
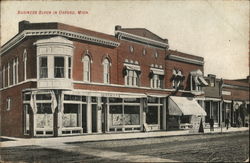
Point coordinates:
[[211, 122], [227, 123]]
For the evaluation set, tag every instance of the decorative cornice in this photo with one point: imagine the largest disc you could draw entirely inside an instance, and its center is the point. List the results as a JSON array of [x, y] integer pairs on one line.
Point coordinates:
[[128, 36], [235, 87], [184, 59], [57, 32]]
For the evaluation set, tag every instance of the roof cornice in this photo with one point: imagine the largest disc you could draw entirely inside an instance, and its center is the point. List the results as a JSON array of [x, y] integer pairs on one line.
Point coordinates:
[[235, 86], [57, 32], [184, 59], [128, 36]]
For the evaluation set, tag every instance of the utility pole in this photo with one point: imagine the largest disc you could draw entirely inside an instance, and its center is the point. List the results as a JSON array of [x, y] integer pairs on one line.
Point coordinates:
[[221, 104]]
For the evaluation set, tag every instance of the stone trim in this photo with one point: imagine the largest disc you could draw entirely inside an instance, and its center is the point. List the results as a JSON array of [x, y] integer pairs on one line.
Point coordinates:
[[235, 87], [186, 60], [127, 36]]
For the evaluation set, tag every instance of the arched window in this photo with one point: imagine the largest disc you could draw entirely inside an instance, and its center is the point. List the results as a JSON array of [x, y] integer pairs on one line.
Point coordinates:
[[106, 71], [86, 68]]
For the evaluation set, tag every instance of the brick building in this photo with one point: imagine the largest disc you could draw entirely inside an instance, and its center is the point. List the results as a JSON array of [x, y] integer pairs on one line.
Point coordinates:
[[227, 99], [58, 80]]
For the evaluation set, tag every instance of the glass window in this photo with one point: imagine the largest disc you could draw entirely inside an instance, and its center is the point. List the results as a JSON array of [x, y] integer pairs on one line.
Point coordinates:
[[44, 116], [27, 109], [152, 115], [43, 97], [132, 78], [43, 69], [59, 67], [115, 115], [185, 119], [69, 67], [131, 115], [86, 68], [71, 115], [106, 74], [8, 103]]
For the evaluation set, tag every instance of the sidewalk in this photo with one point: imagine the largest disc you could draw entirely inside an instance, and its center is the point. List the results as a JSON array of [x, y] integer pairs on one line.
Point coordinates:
[[54, 141]]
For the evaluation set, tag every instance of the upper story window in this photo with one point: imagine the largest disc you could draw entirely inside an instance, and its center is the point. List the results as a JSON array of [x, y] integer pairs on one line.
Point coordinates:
[[131, 49], [106, 71], [3, 76], [59, 67], [24, 64], [144, 52], [69, 67], [177, 79], [15, 71], [43, 67], [8, 103], [86, 68], [131, 73], [156, 76], [8, 75], [197, 81], [156, 54]]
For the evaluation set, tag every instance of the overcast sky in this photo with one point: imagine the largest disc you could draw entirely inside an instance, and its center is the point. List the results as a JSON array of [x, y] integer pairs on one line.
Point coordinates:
[[215, 30]]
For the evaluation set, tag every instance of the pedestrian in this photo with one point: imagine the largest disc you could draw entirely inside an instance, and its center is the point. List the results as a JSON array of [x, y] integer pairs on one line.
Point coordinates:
[[211, 122], [239, 122], [227, 123]]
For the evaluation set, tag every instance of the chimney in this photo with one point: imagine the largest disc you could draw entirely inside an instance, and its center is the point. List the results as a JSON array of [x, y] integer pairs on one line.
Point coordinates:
[[118, 27], [22, 25]]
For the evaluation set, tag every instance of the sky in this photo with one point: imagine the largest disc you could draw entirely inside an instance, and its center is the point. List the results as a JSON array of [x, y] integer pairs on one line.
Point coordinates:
[[215, 30]]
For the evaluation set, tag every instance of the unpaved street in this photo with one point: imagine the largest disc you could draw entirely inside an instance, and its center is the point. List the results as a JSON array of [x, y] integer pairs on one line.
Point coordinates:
[[193, 148]]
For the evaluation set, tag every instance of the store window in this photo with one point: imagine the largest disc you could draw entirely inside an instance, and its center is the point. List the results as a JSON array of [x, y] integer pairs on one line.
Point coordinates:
[[106, 71], [44, 116], [71, 115], [185, 119], [116, 115], [86, 68], [152, 115], [43, 67], [59, 67], [131, 115], [215, 106], [27, 113]]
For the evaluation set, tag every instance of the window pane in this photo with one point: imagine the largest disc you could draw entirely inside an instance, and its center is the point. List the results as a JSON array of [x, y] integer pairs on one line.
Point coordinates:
[[43, 67], [59, 67], [69, 67], [115, 115], [152, 115], [71, 115], [131, 115]]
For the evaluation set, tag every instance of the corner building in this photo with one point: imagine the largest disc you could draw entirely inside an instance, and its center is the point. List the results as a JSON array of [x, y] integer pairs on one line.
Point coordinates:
[[59, 80]]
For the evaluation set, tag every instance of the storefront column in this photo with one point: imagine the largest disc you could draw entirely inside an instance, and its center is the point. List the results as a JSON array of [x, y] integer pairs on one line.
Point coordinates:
[[59, 115], [89, 115], [164, 116], [99, 116], [107, 116], [80, 116]]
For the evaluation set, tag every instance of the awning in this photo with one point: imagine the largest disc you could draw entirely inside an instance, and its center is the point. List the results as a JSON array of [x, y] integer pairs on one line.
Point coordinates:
[[196, 80], [184, 106], [132, 67], [156, 95], [157, 71], [203, 81]]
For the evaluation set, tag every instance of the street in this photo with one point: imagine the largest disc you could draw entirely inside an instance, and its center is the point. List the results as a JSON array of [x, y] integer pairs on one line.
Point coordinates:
[[194, 148]]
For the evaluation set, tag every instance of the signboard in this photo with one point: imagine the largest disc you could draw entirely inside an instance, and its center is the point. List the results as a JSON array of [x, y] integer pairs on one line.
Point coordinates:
[[197, 124], [228, 93]]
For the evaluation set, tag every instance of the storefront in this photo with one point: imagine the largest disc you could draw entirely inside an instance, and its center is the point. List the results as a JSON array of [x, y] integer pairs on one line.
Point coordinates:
[[184, 113], [78, 112]]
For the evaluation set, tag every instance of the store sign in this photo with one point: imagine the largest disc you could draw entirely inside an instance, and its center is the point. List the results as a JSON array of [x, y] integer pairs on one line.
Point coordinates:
[[110, 95], [228, 93]]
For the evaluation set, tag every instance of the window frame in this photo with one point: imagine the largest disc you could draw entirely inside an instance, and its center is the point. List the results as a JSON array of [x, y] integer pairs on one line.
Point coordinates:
[[61, 69], [86, 62], [41, 68]]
